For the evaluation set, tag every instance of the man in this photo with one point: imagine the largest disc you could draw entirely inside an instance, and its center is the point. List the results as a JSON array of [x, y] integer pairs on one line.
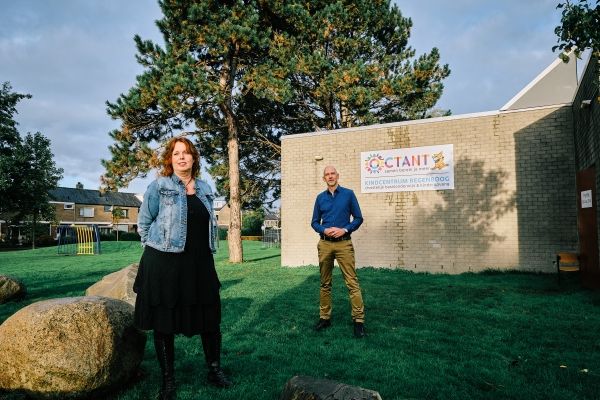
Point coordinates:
[[331, 220]]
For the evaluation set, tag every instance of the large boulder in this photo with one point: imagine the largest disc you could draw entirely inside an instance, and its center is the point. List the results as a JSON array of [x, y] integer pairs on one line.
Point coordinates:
[[70, 347], [309, 388], [118, 285], [10, 289]]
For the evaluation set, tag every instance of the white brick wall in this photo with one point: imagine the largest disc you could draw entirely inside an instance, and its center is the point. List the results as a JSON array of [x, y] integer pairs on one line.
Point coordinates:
[[513, 205]]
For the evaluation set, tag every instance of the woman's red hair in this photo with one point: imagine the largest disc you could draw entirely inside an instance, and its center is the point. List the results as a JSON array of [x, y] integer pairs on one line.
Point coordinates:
[[166, 157]]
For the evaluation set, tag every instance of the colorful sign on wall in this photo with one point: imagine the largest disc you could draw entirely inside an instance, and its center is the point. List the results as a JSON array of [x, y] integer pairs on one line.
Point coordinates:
[[409, 169]]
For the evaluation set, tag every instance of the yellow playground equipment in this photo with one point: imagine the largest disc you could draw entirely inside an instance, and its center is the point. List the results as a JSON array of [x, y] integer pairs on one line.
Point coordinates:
[[78, 239]]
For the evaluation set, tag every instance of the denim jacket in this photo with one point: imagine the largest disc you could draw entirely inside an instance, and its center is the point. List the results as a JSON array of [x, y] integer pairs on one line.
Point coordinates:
[[162, 220]]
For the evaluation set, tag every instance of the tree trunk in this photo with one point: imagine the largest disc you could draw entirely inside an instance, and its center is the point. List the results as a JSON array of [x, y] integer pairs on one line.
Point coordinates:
[[33, 231], [345, 116], [226, 82], [235, 222]]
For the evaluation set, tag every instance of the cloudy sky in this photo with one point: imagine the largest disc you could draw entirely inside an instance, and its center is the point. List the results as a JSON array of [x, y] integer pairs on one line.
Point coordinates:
[[74, 55]]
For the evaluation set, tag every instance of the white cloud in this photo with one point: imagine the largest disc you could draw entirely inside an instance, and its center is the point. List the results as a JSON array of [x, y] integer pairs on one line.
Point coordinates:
[[73, 55], [494, 49]]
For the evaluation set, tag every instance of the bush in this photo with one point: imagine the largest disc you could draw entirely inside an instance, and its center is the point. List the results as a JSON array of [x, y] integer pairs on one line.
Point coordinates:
[[41, 235], [108, 237], [222, 233], [252, 223], [129, 236], [45, 240], [252, 238], [123, 236]]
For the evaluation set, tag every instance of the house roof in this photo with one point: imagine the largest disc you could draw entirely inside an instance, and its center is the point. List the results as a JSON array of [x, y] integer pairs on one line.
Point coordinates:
[[557, 84], [93, 197], [219, 203], [271, 216]]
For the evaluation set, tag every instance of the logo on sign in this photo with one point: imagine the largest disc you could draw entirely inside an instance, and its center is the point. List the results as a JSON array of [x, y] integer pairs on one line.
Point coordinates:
[[374, 163], [438, 159]]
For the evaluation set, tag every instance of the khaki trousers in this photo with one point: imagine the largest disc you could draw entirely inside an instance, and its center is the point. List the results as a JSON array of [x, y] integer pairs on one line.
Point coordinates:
[[343, 252]]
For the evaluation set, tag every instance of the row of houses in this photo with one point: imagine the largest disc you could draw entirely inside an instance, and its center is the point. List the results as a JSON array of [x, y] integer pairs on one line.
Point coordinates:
[[110, 211]]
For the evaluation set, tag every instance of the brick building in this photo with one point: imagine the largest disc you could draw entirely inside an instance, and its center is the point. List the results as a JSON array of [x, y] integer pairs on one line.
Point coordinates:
[[81, 206], [91, 207], [222, 212], [515, 198]]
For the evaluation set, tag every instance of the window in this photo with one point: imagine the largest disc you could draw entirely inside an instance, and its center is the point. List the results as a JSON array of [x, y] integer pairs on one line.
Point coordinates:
[[69, 206], [86, 212], [107, 208], [271, 223], [123, 212], [121, 227]]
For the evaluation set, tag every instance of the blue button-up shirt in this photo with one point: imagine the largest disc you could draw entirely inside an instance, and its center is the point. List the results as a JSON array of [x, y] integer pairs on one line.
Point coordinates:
[[334, 210]]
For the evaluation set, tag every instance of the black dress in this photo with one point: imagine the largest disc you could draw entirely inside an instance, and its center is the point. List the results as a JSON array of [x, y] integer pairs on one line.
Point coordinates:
[[179, 292]]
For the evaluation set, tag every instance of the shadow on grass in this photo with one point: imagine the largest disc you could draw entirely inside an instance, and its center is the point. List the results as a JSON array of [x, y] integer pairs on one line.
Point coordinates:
[[228, 283], [469, 336], [41, 294], [51, 286], [118, 247], [428, 336], [4, 395], [261, 258], [190, 365]]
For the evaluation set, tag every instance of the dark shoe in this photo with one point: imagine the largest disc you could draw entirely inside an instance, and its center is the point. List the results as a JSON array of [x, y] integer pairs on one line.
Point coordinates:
[[217, 377], [211, 343], [322, 324], [359, 330]]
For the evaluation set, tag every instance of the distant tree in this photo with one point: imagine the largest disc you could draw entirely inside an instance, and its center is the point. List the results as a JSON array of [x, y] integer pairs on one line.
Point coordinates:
[[9, 135], [117, 214], [252, 222], [38, 174], [27, 170], [9, 142], [579, 29]]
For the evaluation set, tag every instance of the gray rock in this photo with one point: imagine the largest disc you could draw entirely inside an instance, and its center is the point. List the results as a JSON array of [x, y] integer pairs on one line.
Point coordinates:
[[70, 347], [118, 285], [309, 388], [10, 289]]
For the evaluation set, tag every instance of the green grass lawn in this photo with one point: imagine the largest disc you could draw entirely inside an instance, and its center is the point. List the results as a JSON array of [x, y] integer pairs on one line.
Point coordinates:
[[469, 336]]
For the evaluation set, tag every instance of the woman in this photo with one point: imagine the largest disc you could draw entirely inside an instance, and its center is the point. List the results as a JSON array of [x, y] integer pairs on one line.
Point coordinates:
[[177, 285]]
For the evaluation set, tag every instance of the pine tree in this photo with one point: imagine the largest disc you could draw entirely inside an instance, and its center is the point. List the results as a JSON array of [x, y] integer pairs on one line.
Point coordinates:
[[197, 81], [348, 63], [236, 75]]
